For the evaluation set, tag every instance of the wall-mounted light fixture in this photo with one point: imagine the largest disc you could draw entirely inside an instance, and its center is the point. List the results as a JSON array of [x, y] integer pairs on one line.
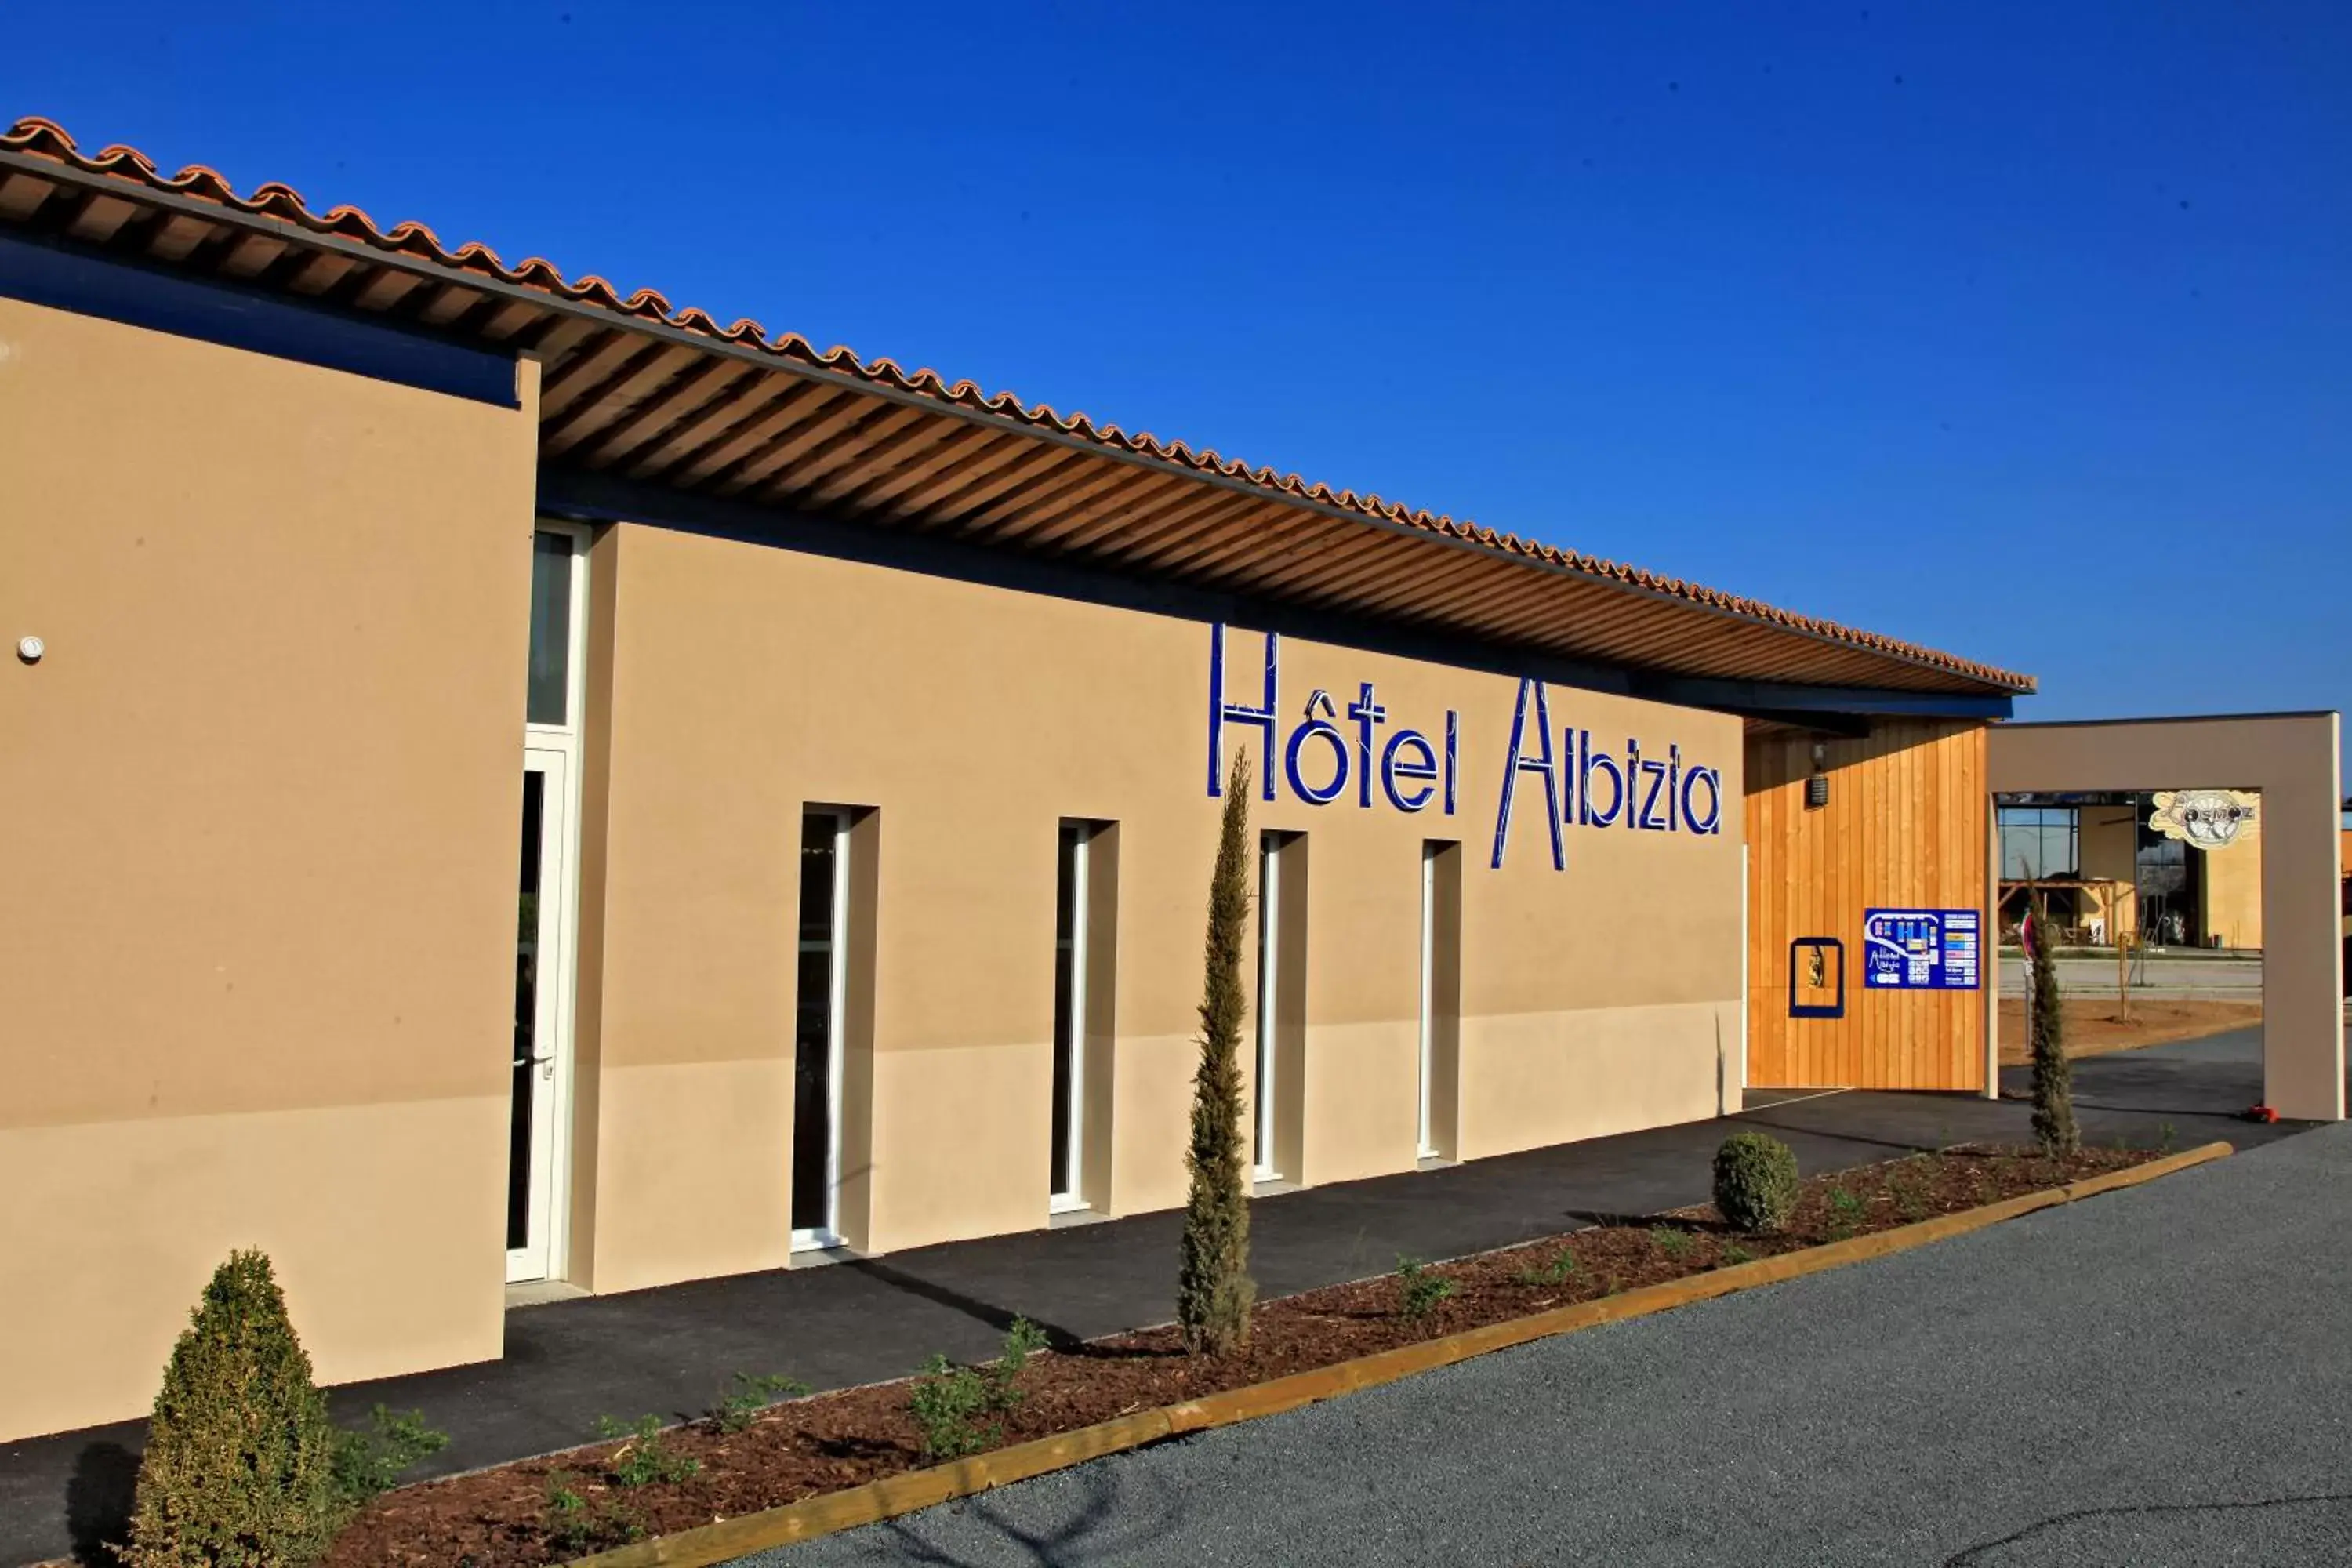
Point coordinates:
[[1817, 788]]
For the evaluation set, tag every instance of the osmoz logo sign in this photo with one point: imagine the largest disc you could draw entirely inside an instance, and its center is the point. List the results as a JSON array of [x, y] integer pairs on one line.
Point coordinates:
[[1321, 760]]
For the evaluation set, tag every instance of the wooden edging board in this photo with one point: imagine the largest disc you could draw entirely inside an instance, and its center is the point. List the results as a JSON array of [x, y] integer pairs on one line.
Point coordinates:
[[822, 1515]]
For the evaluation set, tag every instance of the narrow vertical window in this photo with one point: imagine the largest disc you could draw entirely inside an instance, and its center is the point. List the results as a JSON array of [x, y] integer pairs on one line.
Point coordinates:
[[1271, 981], [1070, 919], [1441, 997], [1429, 853], [549, 691], [818, 1029]]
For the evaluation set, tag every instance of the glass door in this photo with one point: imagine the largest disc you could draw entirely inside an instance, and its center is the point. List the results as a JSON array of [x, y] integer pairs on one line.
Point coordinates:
[[542, 981]]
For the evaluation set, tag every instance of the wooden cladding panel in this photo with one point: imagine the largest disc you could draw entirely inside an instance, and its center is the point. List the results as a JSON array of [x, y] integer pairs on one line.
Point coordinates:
[[1904, 829]]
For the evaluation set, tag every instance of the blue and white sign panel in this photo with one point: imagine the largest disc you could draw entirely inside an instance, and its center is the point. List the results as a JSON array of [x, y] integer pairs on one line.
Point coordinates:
[[1922, 950]]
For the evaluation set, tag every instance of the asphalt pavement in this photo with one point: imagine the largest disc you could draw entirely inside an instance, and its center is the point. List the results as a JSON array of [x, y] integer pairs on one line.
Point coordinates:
[[2151, 1377]]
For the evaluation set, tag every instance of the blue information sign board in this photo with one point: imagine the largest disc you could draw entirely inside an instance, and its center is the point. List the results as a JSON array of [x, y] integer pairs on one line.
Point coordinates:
[[1922, 950]]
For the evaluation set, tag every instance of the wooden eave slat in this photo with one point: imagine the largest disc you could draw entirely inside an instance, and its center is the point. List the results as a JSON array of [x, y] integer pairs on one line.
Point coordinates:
[[23, 195], [852, 427], [578, 403], [943, 505], [907, 453], [448, 303], [176, 236], [100, 216], [978, 451], [588, 375], [1089, 496], [662, 448], [800, 418], [387, 288], [802, 401], [250, 254], [321, 272], [704, 385]]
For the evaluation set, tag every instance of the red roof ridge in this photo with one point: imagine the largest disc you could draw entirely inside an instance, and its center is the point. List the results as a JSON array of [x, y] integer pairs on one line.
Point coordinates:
[[45, 138]]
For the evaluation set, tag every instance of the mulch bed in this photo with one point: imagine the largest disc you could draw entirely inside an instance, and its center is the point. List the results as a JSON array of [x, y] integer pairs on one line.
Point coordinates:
[[502, 1517]]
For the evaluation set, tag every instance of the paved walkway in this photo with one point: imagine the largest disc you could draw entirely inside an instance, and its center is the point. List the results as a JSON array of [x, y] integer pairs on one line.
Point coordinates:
[[673, 1349], [2153, 1377]]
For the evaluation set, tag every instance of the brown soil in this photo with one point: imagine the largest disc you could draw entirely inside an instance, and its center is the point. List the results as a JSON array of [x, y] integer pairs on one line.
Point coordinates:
[[501, 1518], [2096, 1025]]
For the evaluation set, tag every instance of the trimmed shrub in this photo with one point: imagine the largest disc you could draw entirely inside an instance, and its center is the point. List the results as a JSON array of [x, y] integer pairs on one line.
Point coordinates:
[[1214, 1290], [1755, 1182], [2053, 1074], [240, 1470]]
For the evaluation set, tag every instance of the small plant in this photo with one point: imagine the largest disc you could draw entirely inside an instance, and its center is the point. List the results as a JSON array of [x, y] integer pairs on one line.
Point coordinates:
[[576, 1526], [738, 1410], [240, 1460], [1675, 1243], [1418, 1290], [948, 1400], [1559, 1271], [1755, 1182], [2166, 1133], [568, 1524], [1736, 1253], [1910, 1196], [370, 1462], [647, 1458], [1846, 1210]]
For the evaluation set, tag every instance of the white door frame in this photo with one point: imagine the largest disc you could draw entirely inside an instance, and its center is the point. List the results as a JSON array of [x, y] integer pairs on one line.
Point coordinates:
[[541, 1255], [1065, 1199], [1269, 1043], [554, 750], [1429, 853], [836, 1004]]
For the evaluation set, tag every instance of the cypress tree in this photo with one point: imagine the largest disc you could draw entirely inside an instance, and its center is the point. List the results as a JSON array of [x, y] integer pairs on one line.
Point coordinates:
[[2054, 1075], [1214, 1290], [239, 1468]]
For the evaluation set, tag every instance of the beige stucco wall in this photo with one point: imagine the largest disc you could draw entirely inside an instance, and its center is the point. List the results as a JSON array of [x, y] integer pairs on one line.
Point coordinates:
[[259, 837], [2293, 759], [746, 681]]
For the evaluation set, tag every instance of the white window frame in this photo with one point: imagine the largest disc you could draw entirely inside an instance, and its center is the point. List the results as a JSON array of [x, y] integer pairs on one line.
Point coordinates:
[[837, 1013], [565, 909], [1073, 1198], [1430, 851], [1269, 1041]]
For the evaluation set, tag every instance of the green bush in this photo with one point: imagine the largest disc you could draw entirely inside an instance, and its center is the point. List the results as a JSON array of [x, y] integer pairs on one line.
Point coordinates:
[[948, 1400], [369, 1462], [735, 1412], [1755, 1182], [240, 1470], [1418, 1290], [646, 1459]]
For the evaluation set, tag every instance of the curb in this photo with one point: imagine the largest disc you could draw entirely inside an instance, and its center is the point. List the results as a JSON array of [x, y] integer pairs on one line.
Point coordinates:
[[710, 1544]]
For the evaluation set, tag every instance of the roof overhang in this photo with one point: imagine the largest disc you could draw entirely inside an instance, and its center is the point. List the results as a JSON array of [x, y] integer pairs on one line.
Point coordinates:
[[667, 400]]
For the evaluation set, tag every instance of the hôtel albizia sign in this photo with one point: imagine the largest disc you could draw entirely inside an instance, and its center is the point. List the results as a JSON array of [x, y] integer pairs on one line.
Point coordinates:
[[1330, 754]]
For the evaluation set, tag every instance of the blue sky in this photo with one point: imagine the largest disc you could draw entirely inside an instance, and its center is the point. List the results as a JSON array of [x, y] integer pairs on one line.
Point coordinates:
[[2021, 331]]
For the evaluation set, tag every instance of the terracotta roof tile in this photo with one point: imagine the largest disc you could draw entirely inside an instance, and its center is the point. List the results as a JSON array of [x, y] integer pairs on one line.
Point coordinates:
[[47, 140]]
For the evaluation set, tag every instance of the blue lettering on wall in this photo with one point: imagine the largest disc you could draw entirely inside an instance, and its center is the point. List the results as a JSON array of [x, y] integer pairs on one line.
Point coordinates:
[[1521, 761], [1320, 758]]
